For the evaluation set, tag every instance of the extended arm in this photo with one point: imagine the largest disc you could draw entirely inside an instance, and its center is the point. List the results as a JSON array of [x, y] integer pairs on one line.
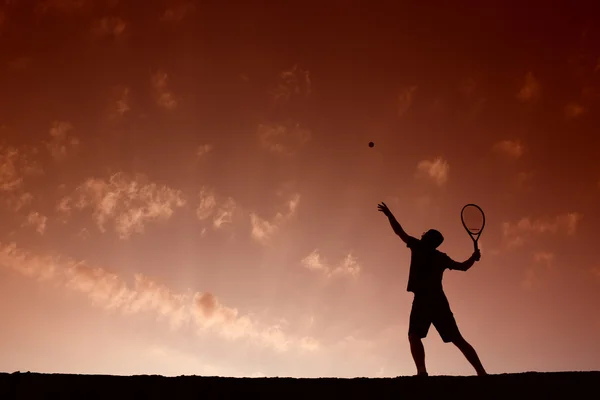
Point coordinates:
[[394, 223], [465, 265]]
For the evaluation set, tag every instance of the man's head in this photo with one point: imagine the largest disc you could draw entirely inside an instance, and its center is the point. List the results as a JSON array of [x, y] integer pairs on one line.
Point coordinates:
[[433, 238]]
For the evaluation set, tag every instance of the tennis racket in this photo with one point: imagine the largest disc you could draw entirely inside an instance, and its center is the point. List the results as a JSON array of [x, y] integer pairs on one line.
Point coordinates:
[[473, 219]]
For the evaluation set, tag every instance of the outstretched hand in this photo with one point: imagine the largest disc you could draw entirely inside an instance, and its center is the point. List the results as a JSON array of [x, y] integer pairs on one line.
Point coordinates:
[[384, 209], [477, 255]]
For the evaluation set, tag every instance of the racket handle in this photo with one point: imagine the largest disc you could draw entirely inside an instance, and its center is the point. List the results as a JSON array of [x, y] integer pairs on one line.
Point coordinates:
[[475, 245]]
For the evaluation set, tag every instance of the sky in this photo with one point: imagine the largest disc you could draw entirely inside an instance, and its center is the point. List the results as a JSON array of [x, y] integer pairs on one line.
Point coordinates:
[[187, 188]]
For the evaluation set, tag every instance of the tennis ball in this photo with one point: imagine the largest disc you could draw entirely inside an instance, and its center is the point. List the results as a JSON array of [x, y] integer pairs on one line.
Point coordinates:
[[371, 144]]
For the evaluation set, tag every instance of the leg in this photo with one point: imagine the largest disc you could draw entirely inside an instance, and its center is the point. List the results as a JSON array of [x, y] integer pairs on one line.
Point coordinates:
[[418, 326], [418, 353], [446, 325], [470, 353]]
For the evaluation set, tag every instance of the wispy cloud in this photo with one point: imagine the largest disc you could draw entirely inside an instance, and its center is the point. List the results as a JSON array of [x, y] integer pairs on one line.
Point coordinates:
[[61, 142], [15, 165], [163, 95], [18, 201], [435, 170], [204, 149], [574, 110], [405, 100], [120, 101], [543, 257], [512, 149], [263, 229], [281, 139], [129, 202], [542, 260], [109, 26], [178, 11], [349, 266], [109, 291], [11, 178], [221, 210], [224, 213], [37, 221], [294, 82], [524, 177], [517, 233], [531, 89]]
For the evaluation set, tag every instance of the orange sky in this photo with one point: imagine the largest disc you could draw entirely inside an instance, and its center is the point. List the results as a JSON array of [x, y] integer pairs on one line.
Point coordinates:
[[186, 188]]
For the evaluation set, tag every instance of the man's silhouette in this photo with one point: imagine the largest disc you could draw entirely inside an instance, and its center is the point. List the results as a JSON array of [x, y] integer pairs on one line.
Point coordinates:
[[430, 305]]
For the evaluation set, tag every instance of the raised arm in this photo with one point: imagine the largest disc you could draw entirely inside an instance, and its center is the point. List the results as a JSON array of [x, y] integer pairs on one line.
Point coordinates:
[[394, 223], [465, 265]]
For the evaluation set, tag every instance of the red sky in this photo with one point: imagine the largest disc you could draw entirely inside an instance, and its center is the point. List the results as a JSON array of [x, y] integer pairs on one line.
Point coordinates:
[[186, 187]]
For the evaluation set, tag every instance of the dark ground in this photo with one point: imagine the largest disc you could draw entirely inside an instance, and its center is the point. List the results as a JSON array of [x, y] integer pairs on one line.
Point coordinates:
[[531, 385]]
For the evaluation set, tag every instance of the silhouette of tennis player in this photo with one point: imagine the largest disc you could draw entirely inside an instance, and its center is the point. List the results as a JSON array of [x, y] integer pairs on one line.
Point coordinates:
[[430, 305]]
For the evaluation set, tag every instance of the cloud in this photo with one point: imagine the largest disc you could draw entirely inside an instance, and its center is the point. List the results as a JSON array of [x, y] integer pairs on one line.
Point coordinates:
[[349, 266], [309, 344], [530, 90], [574, 110], [178, 11], [119, 104], [61, 142], [517, 233], [109, 291], [294, 82], [109, 26], [524, 177], [541, 260], [263, 230], [512, 149], [164, 97], [405, 100], [280, 139], [435, 170], [129, 202], [204, 149], [16, 202], [11, 177], [36, 220], [207, 204], [221, 210], [543, 257], [224, 213], [15, 166]]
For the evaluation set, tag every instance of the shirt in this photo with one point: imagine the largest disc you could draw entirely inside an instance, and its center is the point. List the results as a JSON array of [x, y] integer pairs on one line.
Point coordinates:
[[427, 267]]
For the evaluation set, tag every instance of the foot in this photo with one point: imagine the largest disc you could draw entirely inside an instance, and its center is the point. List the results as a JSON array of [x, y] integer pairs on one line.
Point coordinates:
[[422, 374]]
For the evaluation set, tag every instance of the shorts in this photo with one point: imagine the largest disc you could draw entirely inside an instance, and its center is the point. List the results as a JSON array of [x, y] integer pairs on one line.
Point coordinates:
[[433, 309]]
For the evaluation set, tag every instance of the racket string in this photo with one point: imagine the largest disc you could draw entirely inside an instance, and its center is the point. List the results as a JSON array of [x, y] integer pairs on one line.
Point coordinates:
[[473, 219]]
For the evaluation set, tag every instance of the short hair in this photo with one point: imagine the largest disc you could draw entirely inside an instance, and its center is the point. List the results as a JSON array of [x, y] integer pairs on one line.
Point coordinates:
[[436, 237]]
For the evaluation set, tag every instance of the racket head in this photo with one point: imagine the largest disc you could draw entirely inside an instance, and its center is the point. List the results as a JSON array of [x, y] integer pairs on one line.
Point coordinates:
[[473, 219]]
